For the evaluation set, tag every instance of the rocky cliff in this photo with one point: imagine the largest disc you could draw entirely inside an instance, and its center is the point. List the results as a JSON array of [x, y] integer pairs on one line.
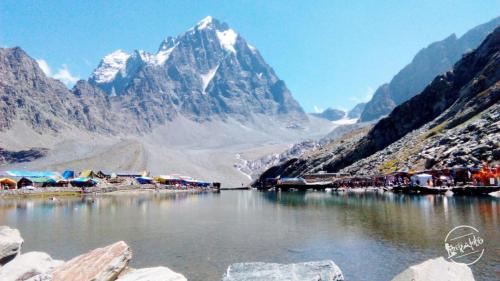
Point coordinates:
[[453, 121]]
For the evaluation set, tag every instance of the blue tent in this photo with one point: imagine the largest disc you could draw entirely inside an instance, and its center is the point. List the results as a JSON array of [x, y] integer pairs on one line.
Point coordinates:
[[68, 174], [83, 182], [144, 180]]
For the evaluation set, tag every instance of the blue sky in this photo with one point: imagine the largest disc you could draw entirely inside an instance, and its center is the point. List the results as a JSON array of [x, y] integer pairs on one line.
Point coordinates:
[[330, 53]]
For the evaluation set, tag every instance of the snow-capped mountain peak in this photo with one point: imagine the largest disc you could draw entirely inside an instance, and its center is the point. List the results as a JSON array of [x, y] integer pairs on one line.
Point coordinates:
[[110, 65], [204, 23]]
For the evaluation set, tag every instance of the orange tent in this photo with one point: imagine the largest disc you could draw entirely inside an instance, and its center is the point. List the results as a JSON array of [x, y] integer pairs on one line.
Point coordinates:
[[7, 183]]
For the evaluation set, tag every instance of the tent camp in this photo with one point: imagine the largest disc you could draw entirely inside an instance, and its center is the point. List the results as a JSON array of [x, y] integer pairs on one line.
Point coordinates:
[[424, 180], [36, 182], [6, 183]]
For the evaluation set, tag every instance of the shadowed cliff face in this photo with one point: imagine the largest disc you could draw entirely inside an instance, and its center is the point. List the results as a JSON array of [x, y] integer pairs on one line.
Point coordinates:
[[470, 90], [437, 58], [20, 156], [473, 74]]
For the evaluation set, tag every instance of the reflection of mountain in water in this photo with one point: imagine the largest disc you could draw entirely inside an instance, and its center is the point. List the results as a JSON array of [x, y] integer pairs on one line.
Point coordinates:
[[415, 221]]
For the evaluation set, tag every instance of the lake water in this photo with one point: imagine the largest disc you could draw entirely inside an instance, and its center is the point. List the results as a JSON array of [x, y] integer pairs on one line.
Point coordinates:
[[370, 236]]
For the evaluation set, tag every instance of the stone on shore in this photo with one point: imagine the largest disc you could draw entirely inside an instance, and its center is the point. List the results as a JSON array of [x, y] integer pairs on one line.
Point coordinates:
[[28, 265], [102, 264], [10, 243], [308, 271], [159, 273], [436, 269]]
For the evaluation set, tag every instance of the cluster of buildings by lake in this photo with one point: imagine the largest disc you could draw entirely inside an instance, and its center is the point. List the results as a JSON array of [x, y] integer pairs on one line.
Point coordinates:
[[459, 180], [30, 180]]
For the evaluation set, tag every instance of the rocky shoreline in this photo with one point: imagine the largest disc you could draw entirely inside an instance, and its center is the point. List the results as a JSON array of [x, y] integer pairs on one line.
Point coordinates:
[[110, 263]]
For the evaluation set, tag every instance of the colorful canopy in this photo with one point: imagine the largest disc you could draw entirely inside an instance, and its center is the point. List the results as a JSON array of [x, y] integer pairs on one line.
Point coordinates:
[[32, 174]]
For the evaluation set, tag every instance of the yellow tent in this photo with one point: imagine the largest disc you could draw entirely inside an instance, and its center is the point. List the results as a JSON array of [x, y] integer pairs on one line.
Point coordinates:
[[9, 183], [87, 174]]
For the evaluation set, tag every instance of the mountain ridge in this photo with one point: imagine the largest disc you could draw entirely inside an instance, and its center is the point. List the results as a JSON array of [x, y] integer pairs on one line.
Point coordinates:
[[430, 61], [455, 120]]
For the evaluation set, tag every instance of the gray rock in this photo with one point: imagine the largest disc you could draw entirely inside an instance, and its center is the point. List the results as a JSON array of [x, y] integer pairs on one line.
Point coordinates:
[[159, 273], [27, 266], [10, 243], [101, 264], [436, 269], [307, 271]]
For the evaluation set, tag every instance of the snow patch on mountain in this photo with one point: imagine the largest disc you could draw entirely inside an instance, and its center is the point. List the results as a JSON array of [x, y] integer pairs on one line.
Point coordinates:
[[227, 39], [207, 77], [110, 66], [146, 57], [163, 55], [252, 48], [204, 23]]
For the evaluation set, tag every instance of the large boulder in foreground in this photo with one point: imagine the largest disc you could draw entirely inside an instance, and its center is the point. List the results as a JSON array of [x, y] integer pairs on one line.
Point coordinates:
[[102, 264], [27, 265], [436, 269], [308, 271], [159, 273], [10, 243]]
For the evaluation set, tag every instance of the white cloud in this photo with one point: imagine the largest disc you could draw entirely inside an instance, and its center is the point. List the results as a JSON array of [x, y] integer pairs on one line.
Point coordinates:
[[63, 74], [45, 67], [369, 93], [317, 109], [366, 98]]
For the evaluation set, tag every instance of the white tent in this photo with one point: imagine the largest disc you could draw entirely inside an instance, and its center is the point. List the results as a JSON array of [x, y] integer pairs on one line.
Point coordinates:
[[421, 179]]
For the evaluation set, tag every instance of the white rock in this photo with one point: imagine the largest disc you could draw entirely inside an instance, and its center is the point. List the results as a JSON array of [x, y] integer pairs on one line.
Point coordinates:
[[28, 265], [10, 242], [436, 269], [159, 273], [307, 271]]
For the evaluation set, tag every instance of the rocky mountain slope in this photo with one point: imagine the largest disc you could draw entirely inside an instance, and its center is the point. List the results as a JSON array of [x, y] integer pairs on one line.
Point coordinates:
[[43, 103], [436, 58], [356, 111], [190, 108], [453, 121]]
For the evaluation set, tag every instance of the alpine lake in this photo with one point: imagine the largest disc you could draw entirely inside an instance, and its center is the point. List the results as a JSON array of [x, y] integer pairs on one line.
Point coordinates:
[[370, 236]]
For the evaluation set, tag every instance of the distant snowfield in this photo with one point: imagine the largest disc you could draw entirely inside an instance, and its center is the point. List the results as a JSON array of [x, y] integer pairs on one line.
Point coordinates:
[[345, 121], [203, 150]]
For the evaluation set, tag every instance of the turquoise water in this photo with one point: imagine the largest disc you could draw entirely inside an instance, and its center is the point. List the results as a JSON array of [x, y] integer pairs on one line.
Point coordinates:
[[370, 236]]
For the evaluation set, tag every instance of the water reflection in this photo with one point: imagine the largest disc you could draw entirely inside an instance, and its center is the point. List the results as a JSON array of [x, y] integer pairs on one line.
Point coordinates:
[[371, 236]]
